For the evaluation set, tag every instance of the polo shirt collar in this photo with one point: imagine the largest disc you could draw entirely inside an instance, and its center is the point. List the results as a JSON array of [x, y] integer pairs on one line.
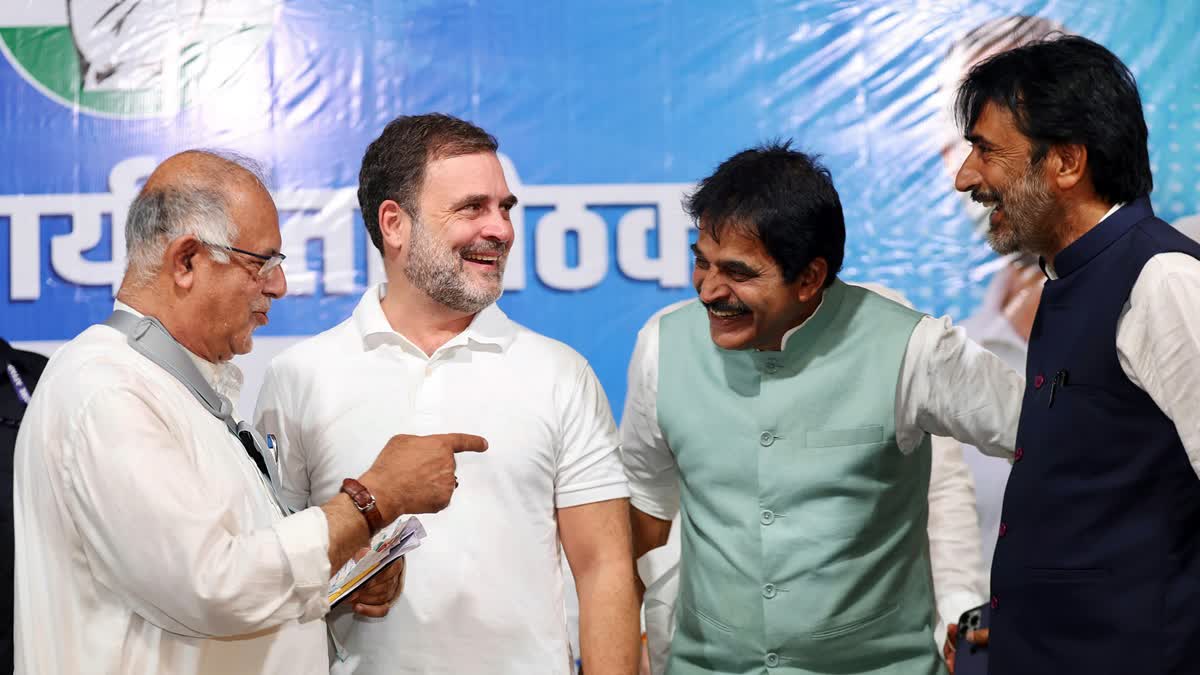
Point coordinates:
[[491, 326]]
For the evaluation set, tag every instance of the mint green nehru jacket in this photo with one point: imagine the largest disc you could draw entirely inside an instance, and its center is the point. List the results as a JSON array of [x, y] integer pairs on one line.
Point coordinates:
[[804, 541]]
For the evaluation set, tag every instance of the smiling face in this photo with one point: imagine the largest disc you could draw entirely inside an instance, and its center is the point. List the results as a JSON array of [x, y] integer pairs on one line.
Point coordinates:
[[999, 173], [459, 244], [750, 305]]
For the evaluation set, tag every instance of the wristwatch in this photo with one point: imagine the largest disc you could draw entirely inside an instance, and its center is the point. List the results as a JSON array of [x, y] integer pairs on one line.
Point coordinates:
[[365, 502]]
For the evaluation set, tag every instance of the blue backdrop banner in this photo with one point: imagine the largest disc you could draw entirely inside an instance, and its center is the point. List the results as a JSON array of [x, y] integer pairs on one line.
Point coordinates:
[[606, 113]]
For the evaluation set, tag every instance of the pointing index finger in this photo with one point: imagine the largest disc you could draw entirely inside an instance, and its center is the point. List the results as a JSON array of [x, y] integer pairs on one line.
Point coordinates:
[[465, 442]]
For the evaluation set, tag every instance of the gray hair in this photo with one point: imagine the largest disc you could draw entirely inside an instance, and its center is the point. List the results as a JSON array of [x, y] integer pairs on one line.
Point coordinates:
[[197, 205]]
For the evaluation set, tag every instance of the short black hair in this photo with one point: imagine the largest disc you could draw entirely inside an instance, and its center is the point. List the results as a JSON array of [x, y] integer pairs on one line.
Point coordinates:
[[781, 196], [394, 164], [1068, 90]]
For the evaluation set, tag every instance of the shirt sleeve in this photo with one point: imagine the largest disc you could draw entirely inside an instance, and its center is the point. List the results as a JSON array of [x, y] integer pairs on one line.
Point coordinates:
[[1158, 342], [955, 551], [649, 462], [589, 462], [276, 413], [950, 386], [153, 532]]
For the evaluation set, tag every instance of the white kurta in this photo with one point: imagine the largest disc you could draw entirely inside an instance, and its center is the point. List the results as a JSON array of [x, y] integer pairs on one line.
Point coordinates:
[[146, 539]]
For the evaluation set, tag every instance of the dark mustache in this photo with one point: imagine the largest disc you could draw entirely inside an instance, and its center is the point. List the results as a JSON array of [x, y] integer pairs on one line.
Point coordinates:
[[723, 306], [985, 197]]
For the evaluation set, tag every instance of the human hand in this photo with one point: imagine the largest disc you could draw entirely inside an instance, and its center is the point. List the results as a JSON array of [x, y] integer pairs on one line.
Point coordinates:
[[375, 597], [979, 638], [415, 474]]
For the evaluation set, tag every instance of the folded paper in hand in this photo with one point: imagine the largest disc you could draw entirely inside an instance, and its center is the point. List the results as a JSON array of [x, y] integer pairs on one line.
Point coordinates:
[[388, 544]]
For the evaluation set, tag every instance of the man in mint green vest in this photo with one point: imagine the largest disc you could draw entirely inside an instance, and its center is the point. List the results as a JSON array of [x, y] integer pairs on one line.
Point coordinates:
[[787, 416]]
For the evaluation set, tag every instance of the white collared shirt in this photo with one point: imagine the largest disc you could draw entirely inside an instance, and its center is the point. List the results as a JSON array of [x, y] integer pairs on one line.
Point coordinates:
[[948, 385], [484, 592], [146, 539]]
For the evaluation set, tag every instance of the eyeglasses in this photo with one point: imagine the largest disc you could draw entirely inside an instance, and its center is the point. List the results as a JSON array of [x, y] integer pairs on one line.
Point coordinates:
[[269, 264]]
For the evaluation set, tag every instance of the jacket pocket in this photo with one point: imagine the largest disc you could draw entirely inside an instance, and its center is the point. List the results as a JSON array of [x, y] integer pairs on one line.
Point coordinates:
[[1067, 574], [847, 627], [708, 619]]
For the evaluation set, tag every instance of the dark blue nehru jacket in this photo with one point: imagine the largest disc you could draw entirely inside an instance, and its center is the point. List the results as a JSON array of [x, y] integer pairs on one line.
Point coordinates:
[[1097, 569]]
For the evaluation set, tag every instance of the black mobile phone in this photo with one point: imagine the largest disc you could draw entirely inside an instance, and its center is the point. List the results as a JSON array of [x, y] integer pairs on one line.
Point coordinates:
[[970, 659]]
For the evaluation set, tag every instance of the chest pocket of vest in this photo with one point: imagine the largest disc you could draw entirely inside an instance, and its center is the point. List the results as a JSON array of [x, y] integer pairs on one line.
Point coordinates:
[[842, 473]]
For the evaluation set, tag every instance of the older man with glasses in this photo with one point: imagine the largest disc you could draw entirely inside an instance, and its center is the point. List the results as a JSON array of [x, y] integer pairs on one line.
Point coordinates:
[[270, 261], [148, 534]]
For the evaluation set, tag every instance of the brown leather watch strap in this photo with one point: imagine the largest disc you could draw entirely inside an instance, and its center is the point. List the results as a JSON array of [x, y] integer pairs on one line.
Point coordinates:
[[365, 501]]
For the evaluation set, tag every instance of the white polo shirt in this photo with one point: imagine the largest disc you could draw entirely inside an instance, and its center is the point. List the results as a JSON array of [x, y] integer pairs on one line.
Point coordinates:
[[484, 593]]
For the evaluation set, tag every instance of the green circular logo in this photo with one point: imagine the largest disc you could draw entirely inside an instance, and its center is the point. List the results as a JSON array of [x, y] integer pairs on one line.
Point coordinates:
[[134, 58]]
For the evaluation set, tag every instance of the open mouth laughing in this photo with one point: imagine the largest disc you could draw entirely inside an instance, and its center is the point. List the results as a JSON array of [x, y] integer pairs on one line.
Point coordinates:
[[488, 258], [726, 312], [992, 201]]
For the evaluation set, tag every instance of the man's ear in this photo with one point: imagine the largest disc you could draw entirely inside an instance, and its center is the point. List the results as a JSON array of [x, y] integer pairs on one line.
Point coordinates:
[[811, 279], [1069, 165], [395, 226], [180, 260]]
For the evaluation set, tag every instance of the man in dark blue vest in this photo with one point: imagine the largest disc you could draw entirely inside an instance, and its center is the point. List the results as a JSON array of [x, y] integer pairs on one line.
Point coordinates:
[[1097, 566]]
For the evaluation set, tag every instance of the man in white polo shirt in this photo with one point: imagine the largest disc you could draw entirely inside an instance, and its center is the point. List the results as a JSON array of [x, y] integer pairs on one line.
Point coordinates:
[[430, 350]]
